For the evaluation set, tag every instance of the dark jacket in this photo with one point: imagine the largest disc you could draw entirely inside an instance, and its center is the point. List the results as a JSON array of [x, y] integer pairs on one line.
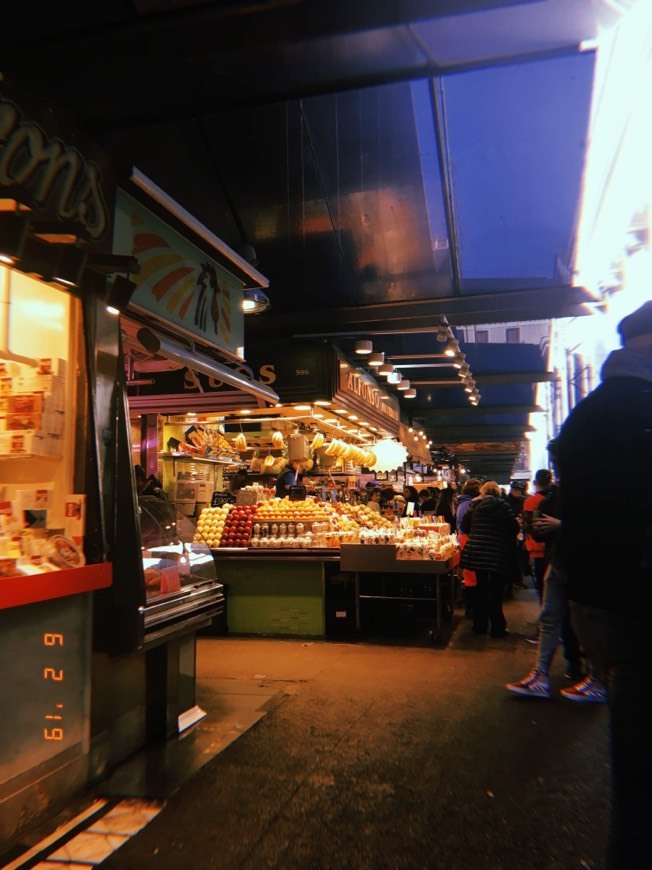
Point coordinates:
[[491, 527], [288, 477], [607, 543]]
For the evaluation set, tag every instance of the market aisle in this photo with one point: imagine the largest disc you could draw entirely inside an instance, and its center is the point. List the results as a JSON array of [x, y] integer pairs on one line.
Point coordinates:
[[387, 756]]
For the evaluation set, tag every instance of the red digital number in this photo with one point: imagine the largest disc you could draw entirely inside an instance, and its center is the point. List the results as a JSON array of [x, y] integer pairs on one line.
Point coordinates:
[[53, 733], [52, 639], [52, 674]]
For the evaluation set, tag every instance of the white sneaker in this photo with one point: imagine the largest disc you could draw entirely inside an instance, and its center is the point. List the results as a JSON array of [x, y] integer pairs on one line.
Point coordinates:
[[536, 685]]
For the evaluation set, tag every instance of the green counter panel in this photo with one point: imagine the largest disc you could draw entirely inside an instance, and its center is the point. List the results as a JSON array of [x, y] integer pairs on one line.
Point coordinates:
[[273, 597]]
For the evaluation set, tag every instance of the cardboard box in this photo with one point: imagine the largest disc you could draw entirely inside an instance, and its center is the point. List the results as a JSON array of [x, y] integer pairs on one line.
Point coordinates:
[[25, 403], [75, 514]]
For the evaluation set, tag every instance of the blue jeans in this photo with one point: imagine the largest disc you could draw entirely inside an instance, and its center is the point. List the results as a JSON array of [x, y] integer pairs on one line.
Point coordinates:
[[618, 644], [554, 623]]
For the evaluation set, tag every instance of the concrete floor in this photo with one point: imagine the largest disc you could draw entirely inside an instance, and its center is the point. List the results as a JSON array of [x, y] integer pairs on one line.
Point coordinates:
[[392, 754], [368, 755]]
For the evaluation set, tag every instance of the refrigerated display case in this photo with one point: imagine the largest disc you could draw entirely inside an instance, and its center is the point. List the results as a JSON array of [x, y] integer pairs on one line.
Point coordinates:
[[181, 584]]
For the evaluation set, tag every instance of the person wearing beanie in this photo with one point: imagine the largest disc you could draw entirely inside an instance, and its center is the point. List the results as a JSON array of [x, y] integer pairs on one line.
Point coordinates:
[[610, 574]]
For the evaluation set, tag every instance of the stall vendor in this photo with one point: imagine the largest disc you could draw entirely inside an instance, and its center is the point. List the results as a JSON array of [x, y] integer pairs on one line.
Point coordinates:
[[290, 476]]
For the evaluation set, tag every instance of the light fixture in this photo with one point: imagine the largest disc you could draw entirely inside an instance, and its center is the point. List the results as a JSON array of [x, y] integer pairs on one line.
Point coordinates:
[[364, 346], [403, 385], [254, 301], [394, 378], [13, 232], [410, 394], [385, 369], [119, 293], [451, 348], [375, 359], [390, 455], [192, 358]]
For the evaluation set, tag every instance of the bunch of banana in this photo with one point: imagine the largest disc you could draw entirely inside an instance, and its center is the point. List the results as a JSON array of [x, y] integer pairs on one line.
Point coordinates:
[[240, 442], [366, 458], [317, 441]]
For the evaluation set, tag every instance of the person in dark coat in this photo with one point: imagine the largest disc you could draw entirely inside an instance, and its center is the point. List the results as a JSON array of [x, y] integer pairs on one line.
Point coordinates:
[[446, 507], [489, 551], [610, 571]]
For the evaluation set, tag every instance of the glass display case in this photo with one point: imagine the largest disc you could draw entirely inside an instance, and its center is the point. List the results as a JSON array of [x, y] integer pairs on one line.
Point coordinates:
[[179, 570]]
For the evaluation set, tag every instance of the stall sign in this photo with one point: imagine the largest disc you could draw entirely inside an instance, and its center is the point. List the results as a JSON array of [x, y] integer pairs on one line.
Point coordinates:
[[297, 493], [178, 282], [361, 392]]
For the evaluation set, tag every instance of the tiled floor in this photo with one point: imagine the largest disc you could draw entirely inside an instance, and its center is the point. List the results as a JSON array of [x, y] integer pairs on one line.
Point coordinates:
[[104, 835]]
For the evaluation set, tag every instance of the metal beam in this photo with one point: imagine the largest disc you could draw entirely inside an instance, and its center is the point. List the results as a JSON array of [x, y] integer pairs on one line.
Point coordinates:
[[513, 378], [427, 415], [423, 315]]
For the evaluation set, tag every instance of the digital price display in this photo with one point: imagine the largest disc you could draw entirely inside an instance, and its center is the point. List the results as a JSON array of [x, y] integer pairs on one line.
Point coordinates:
[[57, 675], [44, 695]]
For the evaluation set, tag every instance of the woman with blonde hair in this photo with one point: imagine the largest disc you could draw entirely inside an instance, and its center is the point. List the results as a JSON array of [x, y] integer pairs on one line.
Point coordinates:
[[489, 552]]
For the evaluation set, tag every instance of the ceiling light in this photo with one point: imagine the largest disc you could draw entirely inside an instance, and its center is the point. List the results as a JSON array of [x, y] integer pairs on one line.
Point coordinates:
[[245, 411], [404, 384], [331, 420], [254, 301], [410, 394], [353, 416], [394, 378], [451, 348], [302, 407], [364, 347], [340, 411], [442, 332], [386, 369], [323, 402], [375, 359]]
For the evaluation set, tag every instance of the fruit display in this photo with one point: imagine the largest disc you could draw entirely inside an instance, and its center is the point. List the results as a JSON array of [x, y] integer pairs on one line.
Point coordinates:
[[285, 511], [237, 526], [210, 525], [363, 516]]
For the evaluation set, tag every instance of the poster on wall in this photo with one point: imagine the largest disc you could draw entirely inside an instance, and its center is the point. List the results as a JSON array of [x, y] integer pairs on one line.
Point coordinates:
[[178, 282]]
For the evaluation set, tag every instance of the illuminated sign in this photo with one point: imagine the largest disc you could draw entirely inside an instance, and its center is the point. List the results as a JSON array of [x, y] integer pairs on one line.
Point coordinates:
[[54, 175], [54, 720], [177, 281]]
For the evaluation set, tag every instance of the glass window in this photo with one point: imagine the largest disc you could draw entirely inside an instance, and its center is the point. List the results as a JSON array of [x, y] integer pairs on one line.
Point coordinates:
[[41, 516], [482, 336], [513, 335]]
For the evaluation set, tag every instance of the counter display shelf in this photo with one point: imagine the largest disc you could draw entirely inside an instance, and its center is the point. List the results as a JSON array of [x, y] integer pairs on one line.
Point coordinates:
[[285, 591], [379, 560], [274, 591]]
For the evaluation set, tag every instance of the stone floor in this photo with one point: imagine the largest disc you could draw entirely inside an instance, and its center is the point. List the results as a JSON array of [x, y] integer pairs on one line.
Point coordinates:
[[372, 754]]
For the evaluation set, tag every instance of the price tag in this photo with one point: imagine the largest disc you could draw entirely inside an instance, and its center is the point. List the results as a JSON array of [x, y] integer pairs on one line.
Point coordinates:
[[220, 498], [246, 496], [297, 493]]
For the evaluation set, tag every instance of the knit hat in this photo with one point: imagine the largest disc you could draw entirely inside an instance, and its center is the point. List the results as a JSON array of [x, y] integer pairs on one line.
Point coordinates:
[[637, 323]]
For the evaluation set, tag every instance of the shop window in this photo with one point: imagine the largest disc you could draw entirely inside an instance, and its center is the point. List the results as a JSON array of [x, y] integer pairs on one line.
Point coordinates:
[[482, 336], [41, 514], [513, 335]]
